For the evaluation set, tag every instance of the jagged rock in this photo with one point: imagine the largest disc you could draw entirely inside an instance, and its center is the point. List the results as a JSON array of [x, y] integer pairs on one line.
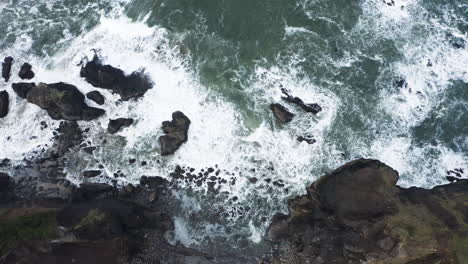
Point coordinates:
[[176, 133], [105, 76], [281, 113], [96, 96], [6, 68], [4, 104], [357, 214], [310, 108], [22, 89], [62, 101], [119, 123], [26, 72], [48, 188]]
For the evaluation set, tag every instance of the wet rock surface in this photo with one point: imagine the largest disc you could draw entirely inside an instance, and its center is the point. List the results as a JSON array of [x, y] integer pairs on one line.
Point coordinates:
[[105, 76], [115, 125], [310, 108], [26, 72], [4, 103], [176, 133], [6, 68], [22, 89], [60, 100], [96, 97], [357, 214], [281, 113]]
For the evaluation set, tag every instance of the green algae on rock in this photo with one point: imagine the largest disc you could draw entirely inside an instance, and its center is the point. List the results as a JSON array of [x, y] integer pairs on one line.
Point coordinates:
[[358, 214]]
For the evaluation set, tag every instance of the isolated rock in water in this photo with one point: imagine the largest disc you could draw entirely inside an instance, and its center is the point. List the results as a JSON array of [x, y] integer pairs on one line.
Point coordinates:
[[306, 139], [107, 77], [357, 214], [119, 123], [62, 101], [4, 103], [6, 68], [96, 96], [310, 108], [176, 133], [26, 71], [281, 113], [22, 89], [91, 173]]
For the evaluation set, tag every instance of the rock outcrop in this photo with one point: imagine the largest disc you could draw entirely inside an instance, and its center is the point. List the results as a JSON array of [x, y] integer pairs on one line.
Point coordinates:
[[310, 108], [4, 104], [105, 76], [60, 100], [26, 72], [357, 214], [281, 113], [6, 68], [176, 133], [96, 97], [116, 124]]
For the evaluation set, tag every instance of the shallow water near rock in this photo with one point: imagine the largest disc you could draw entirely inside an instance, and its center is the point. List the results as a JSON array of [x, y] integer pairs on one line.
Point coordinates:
[[222, 63]]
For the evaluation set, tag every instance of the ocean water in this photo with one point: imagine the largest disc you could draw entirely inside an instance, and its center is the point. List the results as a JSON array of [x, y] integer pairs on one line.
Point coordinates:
[[222, 63]]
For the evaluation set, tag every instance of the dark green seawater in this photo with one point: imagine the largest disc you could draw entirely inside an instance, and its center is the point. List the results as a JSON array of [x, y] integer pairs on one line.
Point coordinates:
[[223, 62]]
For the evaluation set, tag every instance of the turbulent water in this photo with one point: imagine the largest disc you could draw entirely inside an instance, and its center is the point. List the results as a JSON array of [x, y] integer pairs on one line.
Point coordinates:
[[222, 63]]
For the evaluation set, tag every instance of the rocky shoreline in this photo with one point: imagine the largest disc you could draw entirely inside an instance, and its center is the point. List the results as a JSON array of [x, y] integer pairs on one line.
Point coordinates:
[[356, 214]]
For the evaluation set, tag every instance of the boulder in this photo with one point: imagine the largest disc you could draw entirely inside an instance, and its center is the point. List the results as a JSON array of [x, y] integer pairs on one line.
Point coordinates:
[[62, 101], [6, 68], [176, 133], [281, 113], [306, 139], [105, 76], [96, 97], [310, 108], [357, 214], [26, 72], [22, 89], [4, 103], [116, 124], [91, 173]]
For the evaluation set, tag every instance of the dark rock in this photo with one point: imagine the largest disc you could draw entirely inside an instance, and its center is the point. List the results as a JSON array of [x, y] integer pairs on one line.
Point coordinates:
[[22, 89], [96, 96], [26, 71], [144, 163], [308, 140], [153, 182], [401, 83], [429, 63], [176, 133], [310, 108], [119, 123], [357, 214], [62, 101], [281, 113], [6, 68], [89, 150], [6, 187], [107, 77], [131, 161], [91, 173], [4, 104]]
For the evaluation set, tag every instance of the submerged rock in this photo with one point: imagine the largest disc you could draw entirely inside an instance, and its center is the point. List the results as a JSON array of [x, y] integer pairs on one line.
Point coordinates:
[[26, 72], [105, 76], [281, 113], [310, 108], [306, 139], [119, 123], [6, 68], [91, 173], [4, 104], [357, 214], [61, 101], [176, 133], [96, 97]]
